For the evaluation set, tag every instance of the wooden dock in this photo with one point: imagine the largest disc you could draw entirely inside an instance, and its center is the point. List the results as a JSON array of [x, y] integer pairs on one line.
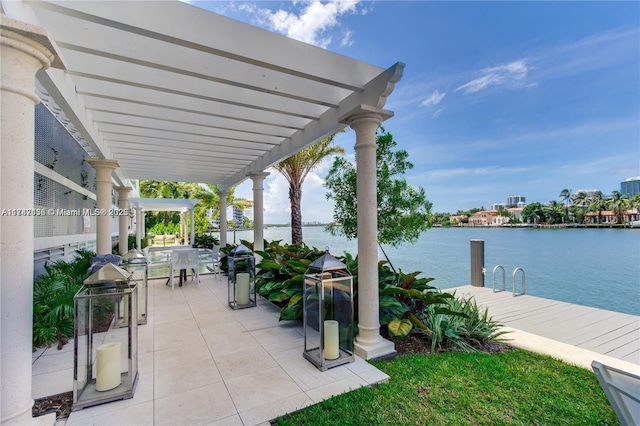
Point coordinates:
[[608, 333]]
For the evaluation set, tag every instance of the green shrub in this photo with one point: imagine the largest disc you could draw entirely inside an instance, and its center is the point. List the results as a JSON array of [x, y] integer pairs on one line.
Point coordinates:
[[53, 294], [281, 275], [467, 333], [204, 241], [402, 296]]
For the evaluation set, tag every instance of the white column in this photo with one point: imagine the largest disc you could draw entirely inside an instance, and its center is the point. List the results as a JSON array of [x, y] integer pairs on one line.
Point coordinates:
[[258, 209], [192, 235], [365, 121], [104, 168], [123, 204], [139, 228], [24, 49], [223, 217]]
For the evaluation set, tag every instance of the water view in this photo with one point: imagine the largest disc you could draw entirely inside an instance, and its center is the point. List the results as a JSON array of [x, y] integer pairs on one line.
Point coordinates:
[[592, 267]]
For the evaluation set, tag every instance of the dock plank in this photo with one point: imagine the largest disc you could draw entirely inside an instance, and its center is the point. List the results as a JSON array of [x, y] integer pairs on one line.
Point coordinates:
[[605, 332]]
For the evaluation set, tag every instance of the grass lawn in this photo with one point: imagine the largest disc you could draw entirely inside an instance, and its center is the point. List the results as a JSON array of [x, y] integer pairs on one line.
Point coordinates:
[[507, 388]]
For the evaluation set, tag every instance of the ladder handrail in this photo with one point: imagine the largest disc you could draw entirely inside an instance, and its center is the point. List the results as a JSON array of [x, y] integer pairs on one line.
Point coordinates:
[[504, 279], [513, 282]]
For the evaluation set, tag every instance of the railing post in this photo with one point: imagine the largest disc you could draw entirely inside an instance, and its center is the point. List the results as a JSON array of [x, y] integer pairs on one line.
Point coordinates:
[[477, 263]]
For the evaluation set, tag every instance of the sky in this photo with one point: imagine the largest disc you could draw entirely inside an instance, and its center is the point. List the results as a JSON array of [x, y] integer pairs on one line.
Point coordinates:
[[497, 98]]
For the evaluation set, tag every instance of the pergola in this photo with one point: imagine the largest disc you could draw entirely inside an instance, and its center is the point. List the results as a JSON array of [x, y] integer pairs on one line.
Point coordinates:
[[184, 206], [167, 91]]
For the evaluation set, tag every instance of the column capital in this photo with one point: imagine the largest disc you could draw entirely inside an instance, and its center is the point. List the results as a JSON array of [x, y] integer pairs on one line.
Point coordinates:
[[258, 178], [366, 113], [103, 167], [31, 39], [123, 191]]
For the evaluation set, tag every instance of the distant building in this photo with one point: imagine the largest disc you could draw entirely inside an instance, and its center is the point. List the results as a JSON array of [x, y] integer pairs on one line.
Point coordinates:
[[587, 192], [516, 200], [497, 206], [488, 218], [233, 213], [630, 187]]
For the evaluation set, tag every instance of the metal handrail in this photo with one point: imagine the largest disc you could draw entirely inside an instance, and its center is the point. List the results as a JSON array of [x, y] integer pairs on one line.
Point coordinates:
[[504, 279], [513, 282]]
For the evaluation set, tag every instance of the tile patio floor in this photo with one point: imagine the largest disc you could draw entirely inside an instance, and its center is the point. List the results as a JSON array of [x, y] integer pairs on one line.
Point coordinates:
[[201, 363]]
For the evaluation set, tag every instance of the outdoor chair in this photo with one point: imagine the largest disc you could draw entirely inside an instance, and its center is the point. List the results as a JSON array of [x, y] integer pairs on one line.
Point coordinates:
[[185, 259], [623, 392], [215, 261]]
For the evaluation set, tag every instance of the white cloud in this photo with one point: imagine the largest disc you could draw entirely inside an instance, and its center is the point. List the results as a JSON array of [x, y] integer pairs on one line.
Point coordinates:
[[507, 74], [477, 171], [434, 99], [313, 22]]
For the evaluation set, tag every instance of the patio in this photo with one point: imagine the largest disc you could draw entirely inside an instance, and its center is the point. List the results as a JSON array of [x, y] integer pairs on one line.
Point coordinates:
[[201, 362]]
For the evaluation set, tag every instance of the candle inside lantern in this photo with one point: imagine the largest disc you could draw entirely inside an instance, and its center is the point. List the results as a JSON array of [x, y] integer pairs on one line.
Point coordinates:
[[108, 366], [242, 288], [141, 299], [331, 339]]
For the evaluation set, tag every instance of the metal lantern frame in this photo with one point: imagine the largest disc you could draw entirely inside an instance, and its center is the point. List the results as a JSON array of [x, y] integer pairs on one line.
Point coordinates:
[[328, 313], [101, 354], [135, 263], [241, 261]]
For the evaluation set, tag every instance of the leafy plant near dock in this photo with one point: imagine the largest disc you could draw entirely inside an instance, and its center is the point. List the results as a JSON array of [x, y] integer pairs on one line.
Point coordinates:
[[467, 332], [53, 295], [403, 297]]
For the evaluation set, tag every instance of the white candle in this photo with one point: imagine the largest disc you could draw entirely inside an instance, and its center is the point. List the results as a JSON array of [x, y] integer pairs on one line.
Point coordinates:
[[242, 288], [331, 339], [108, 366], [125, 311], [141, 299]]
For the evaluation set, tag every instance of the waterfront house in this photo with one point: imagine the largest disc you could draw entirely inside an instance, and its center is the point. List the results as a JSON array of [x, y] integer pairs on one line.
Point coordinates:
[[488, 218]]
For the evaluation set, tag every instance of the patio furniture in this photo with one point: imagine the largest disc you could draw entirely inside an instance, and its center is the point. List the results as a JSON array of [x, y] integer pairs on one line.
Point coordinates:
[[623, 392], [184, 259], [215, 261]]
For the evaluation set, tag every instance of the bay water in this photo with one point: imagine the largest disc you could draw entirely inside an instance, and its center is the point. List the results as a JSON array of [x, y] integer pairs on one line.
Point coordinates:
[[591, 267]]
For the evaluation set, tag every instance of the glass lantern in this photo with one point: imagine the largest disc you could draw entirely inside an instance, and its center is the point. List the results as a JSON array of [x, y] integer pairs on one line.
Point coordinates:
[[105, 356], [136, 264], [328, 313], [242, 272]]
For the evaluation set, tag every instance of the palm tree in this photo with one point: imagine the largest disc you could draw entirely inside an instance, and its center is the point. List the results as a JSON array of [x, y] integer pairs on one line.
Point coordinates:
[[555, 212], [619, 202], [209, 199], [598, 202], [565, 197], [165, 189], [581, 200], [295, 169]]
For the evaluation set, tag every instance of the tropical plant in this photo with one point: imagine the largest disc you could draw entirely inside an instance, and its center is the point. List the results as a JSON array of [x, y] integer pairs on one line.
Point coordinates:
[[53, 302], [403, 210], [403, 297], [205, 241], [565, 197], [598, 202], [295, 170], [619, 202], [467, 331], [281, 277], [281, 274]]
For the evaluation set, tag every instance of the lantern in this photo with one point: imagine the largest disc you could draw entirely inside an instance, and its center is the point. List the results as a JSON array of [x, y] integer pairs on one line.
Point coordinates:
[[242, 272], [328, 313], [105, 356], [137, 265]]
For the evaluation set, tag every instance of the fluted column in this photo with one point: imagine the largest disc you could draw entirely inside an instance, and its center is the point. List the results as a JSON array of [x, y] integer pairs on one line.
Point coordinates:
[[24, 49], [365, 121], [223, 217], [123, 204], [104, 168], [258, 209]]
